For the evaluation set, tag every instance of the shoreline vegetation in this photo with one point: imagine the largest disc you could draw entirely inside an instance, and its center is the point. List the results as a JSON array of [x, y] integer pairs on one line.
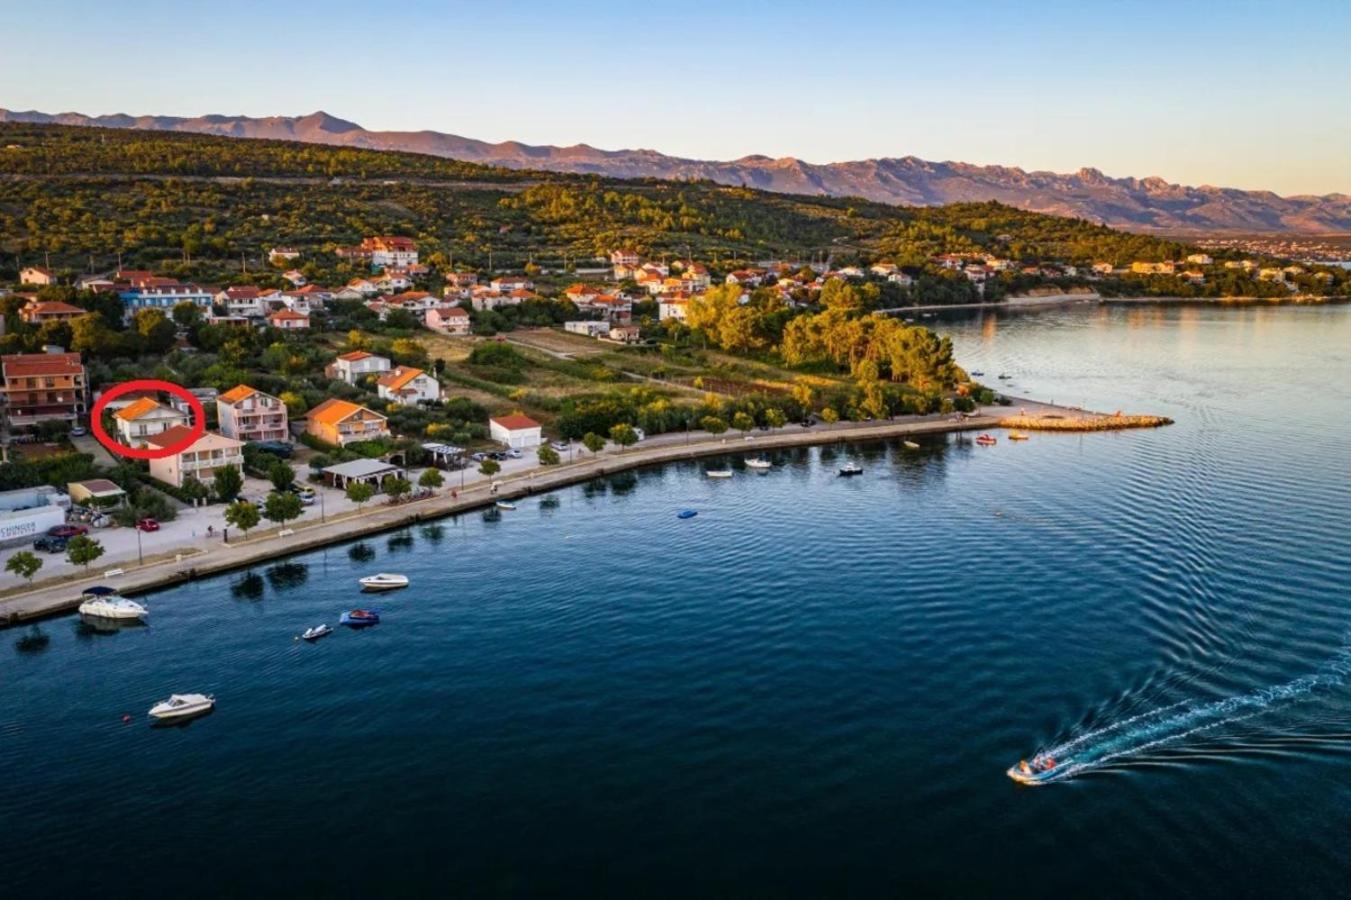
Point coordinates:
[[60, 595]]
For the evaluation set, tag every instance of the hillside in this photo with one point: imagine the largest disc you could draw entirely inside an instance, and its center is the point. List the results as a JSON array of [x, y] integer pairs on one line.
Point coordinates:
[[1148, 204], [84, 196]]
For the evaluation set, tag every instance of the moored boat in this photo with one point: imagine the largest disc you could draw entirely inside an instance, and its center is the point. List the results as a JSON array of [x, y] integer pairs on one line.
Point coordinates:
[[759, 462], [718, 473], [503, 504], [1017, 436], [384, 581], [359, 618], [687, 514], [986, 440], [106, 603], [850, 469], [910, 445], [313, 634], [182, 706]]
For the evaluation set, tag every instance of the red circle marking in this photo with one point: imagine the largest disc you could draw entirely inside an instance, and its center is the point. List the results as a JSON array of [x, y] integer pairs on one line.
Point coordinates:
[[146, 384]]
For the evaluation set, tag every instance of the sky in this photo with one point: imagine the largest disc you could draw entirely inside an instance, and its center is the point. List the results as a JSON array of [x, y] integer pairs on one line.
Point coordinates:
[[1235, 93]]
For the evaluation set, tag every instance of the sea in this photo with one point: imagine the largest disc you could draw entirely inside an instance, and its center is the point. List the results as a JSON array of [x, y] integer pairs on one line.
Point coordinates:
[[813, 688]]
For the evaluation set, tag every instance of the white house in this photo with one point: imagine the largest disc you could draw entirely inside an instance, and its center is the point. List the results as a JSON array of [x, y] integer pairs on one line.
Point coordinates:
[[354, 366], [138, 421], [408, 386], [673, 308], [520, 432], [247, 414], [588, 328], [201, 460], [36, 276]]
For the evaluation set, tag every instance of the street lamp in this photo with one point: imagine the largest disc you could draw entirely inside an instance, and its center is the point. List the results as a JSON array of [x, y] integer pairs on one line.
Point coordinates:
[[140, 558], [322, 518]]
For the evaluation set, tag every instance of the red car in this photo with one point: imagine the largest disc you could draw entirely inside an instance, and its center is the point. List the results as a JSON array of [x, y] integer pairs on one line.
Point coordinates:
[[67, 531], [148, 525]]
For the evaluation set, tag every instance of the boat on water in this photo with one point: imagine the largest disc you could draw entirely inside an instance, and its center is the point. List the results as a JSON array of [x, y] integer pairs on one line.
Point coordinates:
[[1005, 377], [360, 618], [106, 603], [687, 514], [977, 374], [384, 581], [1017, 436], [502, 504], [910, 445], [718, 473], [182, 706], [986, 440], [1040, 770], [315, 633], [850, 469], [759, 462]]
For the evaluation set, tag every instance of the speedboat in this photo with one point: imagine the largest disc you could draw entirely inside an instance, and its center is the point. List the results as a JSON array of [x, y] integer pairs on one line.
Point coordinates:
[[315, 633], [502, 504], [986, 440], [1040, 770], [851, 468], [1005, 377], [1017, 436], [384, 581], [359, 618], [107, 603], [718, 473], [687, 514], [977, 374], [759, 462], [182, 706], [910, 445]]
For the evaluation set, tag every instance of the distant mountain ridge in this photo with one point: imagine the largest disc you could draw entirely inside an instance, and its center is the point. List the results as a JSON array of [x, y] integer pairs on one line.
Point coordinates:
[[1148, 204]]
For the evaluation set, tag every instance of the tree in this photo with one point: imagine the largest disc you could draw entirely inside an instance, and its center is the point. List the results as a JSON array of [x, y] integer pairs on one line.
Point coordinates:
[[359, 492], [396, 486], [281, 508], [187, 314], [775, 418], [713, 425], [829, 415], [156, 330], [548, 456], [431, 479], [195, 490], [281, 475], [489, 467], [227, 483], [25, 564], [294, 403], [593, 442], [242, 515], [82, 550], [743, 422], [623, 435]]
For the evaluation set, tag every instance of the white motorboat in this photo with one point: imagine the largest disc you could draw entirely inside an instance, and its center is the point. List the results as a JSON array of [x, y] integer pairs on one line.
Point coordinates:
[[851, 469], [182, 706], [910, 445], [503, 504], [384, 581], [759, 462], [718, 473], [315, 633], [107, 603]]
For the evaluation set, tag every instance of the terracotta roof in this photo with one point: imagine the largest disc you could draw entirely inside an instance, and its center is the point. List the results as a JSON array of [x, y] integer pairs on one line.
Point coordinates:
[[395, 379], [31, 364], [354, 356], [332, 411], [288, 314], [53, 307], [179, 433], [133, 411], [515, 421], [237, 393]]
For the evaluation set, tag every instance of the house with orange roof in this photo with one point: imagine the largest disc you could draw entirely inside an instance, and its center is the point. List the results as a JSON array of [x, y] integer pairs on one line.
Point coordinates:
[[289, 320], [145, 418], [202, 459], [42, 387], [408, 386], [517, 431], [353, 366], [35, 312], [341, 422], [247, 414]]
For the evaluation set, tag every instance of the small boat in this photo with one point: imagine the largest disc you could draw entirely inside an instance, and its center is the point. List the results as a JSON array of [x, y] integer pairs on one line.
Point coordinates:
[[986, 440], [107, 603], [850, 469], [759, 462], [718, 473], [384, 581], [502, 504], [910, 445], [315, 633], [1005, 377], [687, 514], [1017, 436], [360, 618], [977, 374], [182, 706], [1040, 770]]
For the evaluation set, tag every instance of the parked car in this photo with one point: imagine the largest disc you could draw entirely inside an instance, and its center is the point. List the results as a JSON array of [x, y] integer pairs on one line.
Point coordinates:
[[561, 446], [306, 494], [514, 453], [478, 457], [67, 531], [276, 448], [638, 431], [147, 524], [78, 431], [49, 544]]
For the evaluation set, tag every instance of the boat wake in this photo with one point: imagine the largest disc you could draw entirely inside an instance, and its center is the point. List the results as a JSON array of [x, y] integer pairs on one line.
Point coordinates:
[[1170, 724]]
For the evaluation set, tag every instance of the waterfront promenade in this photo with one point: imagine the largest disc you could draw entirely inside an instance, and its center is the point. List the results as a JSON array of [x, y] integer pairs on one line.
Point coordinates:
[[58, 595]]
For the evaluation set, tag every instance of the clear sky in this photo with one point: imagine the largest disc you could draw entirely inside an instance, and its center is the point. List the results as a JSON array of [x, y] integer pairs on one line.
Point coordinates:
[[1229, 92]]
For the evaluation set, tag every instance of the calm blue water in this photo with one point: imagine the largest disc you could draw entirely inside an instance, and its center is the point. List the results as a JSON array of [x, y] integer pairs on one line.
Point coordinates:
[[813, 688]]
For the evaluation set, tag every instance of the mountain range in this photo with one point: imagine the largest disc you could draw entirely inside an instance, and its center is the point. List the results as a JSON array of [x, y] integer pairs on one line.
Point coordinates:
[[1141, 204]]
